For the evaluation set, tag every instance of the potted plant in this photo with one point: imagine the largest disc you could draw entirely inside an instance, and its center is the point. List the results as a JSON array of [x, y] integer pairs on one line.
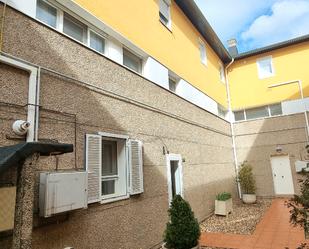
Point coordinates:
[[223, 204], [247, 183], [183, 230]]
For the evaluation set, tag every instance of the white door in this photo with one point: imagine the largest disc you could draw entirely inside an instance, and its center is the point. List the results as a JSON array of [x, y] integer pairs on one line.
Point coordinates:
[[282, 175], [174, 175]]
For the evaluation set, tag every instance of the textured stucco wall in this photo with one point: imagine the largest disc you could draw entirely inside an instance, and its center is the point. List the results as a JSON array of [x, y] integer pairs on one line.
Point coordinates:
[[69, 107], [257, 140]]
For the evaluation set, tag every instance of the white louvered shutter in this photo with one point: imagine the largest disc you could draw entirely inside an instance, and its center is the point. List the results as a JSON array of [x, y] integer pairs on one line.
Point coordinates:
[[93, 166], [164, 9], [136, 167]]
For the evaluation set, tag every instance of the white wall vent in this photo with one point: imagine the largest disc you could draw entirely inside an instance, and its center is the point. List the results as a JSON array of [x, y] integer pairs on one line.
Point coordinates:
[[302, 165], [62, 191]]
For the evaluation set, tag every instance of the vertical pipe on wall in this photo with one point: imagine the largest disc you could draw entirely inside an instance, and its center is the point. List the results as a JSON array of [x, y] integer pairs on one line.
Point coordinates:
[[33, 100], [230, 118]]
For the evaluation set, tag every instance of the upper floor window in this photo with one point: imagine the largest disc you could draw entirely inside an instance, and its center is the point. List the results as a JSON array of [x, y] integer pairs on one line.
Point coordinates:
[[172, 84], [132, 61], [222, 73], [265, 67], [46, 13], [258, 112], [164, 12], [74, 28], [97, 42], [222, 112], [203, 54]]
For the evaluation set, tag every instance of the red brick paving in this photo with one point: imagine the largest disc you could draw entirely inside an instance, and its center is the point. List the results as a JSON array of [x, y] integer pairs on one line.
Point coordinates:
[[273, 232]]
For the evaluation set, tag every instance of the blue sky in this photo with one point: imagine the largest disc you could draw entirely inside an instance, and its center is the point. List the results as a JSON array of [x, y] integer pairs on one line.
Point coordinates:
[[256, 23]]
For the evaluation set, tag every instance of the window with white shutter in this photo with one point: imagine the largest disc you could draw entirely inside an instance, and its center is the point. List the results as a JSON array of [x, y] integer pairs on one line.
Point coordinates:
[[136, 167], [115, 167], [164, 12], [93, 166]]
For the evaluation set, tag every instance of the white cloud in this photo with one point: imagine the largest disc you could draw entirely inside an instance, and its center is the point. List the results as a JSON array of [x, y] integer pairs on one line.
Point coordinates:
[[288, 19], [229, 18]]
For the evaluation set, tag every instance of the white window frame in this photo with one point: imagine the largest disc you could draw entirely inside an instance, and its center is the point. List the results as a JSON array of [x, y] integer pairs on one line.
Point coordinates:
[[169, 158], [138, 56], [98, 34], [222, 73], [260, 72], [57, 14], [169, 19], [203, 54], [113, 137]]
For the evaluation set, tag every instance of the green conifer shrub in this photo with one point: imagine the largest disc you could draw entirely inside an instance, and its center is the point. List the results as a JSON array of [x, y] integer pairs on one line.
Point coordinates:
[[183, 230]]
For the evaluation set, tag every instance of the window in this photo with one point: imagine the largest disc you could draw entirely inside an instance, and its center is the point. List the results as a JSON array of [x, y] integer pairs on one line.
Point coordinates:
[[74, 28], [172, 84], [115, 167], [239, 115], [265, 67], [46, 13], [132, 61], [164, 12], [221, 111], [275, 109], [258, 112], [203, 54], [222, 73], [110, 173], [97, 42]]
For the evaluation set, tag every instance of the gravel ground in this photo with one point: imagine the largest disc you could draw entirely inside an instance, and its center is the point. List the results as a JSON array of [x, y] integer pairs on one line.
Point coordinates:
[[242, 220]]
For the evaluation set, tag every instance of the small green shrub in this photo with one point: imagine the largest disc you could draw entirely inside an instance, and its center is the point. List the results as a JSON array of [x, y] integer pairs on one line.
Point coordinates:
[[246, 179], [224, 196], [183, 230]]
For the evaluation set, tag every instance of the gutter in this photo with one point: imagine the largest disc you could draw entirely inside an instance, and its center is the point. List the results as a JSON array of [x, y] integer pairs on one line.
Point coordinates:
[[230, 118], [33, 95]]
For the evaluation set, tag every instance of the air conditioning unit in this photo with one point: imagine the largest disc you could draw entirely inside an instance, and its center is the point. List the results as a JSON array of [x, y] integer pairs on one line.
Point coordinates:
[[62, 191], [302, 165]]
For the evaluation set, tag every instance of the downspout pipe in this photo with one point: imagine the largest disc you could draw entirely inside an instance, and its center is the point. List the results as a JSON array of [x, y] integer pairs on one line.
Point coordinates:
[[231, 120], [33, 95]]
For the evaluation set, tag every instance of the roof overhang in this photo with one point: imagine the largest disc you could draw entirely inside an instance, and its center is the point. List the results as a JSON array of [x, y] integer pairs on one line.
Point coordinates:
[[16, 154], [197, 18]]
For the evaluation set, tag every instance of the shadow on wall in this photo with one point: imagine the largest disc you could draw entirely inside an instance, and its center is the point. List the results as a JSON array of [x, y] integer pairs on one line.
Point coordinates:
[[138, 220]]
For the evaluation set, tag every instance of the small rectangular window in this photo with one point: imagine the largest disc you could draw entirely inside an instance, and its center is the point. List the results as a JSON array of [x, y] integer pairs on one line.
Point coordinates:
[[74, 28], [203, 54], [172, 84], [259, 112], [275, 109], [46, 13], [97, 42], [239, 115], [164, 12], [132, 61], [222, 73], [221, 111], [265, 67]]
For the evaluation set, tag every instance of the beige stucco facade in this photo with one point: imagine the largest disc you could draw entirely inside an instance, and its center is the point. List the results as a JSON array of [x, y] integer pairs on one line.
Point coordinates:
[[104, 96], [257, 142]]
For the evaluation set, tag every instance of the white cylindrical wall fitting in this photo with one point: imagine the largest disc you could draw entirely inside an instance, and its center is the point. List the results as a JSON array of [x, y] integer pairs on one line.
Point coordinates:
[[20, 127]]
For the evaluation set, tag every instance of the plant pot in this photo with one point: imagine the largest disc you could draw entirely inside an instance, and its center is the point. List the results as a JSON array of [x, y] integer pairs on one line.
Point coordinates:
[[249, 198], [196, 247], [223, 207]]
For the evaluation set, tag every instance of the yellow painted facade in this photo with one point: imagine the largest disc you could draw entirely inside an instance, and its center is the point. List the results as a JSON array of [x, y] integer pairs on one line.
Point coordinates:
[[178, 49], [290, 63]]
